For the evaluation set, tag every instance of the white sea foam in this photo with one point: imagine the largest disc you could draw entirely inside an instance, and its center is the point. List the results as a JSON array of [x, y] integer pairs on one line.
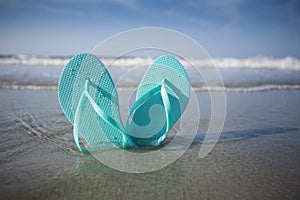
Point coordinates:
[[287, 63], [33, 60], [233, 89], [251, 89], [22, 86]]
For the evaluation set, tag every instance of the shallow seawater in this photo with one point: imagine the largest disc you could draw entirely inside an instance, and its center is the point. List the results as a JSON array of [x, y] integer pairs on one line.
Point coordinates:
[[256, 157]]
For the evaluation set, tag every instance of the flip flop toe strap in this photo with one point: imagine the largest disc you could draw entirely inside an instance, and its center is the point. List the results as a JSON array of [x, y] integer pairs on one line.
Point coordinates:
[[86, 96], [161, 88]]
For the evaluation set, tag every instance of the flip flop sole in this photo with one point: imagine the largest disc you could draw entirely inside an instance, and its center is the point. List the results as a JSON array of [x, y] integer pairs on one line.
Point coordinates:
[[91, 127], [66, 84], [147, 125]]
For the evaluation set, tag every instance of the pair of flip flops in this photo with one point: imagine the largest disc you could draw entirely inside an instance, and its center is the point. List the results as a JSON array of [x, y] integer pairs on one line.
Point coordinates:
[[89, 99]]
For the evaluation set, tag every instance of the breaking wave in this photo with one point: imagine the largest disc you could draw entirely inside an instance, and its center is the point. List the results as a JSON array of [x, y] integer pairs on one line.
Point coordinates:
[[289, 63], [232, 88]]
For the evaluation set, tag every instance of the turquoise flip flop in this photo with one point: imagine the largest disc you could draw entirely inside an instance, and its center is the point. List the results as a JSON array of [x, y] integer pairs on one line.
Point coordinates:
[[89, 100], [162, 97]]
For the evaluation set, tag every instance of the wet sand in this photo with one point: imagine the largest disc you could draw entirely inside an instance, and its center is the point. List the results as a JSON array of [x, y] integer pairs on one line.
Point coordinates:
[[256, 157]]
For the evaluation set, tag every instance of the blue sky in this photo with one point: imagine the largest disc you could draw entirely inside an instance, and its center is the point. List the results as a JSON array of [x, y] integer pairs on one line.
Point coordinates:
[[235, 28]]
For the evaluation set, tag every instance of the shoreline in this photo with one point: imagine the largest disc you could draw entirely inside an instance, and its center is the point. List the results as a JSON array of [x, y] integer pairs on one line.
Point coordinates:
[[257, 155]]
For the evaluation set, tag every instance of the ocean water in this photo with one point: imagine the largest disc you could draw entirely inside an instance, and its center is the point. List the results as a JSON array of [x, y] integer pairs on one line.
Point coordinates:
[[239, 75], [256, 157]]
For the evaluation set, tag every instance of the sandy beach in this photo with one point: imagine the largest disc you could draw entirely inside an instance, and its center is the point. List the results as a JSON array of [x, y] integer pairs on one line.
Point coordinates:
[[256, 157]]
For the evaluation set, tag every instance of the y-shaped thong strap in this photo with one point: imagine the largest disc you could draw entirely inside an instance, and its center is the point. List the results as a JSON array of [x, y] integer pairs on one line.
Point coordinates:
[[161, 88], [86, 95]]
